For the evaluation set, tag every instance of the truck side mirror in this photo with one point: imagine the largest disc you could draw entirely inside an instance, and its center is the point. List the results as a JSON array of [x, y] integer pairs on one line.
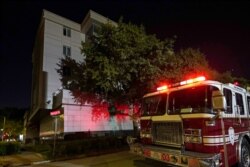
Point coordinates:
[[219, 101]]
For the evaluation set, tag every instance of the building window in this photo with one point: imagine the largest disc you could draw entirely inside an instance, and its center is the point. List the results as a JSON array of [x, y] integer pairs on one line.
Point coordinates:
[[66, 32], [239, 103], [66, 50], [228, 95]]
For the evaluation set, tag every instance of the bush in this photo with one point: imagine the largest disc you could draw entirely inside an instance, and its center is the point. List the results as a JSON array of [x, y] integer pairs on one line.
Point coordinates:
[[87, 146], [7, 148], [3, 147], [73, 148], [42, 148]]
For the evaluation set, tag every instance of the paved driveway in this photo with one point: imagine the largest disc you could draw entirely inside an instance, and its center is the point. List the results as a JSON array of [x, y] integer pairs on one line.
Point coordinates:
[[120, 159]]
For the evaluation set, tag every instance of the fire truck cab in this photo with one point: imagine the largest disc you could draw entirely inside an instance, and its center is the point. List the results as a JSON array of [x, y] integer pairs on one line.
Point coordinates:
[[195, 123]]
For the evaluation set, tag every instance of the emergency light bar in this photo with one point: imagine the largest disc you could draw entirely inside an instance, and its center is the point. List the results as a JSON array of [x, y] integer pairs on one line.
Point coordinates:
[[186, 82], [165, 87], [202, 78]]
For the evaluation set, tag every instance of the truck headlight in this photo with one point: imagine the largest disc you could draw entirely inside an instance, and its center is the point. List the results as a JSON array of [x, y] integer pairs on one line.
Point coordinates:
[[145, 135], [192, 136]]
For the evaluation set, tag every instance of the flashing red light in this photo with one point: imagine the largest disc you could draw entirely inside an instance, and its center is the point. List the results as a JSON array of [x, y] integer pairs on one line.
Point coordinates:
[[236, 83], [186, 82], [201, 78], [161, 88]]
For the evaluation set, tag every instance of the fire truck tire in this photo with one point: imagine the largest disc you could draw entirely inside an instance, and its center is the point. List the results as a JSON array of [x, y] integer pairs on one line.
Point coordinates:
[[245, 154]]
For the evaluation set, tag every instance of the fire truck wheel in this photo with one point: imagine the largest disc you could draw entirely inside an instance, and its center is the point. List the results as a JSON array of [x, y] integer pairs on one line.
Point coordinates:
[[245, 154]]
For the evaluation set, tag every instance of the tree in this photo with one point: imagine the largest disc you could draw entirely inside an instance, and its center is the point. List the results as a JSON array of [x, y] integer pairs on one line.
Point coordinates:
[[13, 129], [11, 121], [243, 82], [120, 64], [189, 63], [227, 77]]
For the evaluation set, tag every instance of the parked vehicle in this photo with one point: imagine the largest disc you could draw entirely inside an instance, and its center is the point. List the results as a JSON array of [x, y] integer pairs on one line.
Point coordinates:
[[196, 122]]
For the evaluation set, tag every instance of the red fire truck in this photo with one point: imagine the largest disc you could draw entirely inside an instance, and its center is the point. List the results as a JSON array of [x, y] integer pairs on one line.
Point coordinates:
[[195, 123]]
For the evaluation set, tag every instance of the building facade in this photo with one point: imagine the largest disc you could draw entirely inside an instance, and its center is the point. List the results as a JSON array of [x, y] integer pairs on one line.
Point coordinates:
[[56, 38]]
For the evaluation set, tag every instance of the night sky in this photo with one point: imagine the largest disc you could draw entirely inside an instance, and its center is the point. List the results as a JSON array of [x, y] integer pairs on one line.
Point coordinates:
[[221, 30]]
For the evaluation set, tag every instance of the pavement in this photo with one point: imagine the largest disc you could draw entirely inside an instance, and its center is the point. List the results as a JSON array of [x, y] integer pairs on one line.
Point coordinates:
[[24, 158], [27, 158]]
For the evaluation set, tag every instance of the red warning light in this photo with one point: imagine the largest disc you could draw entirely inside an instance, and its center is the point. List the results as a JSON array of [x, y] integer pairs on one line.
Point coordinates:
[[165, 87], [186, 82], [236, 83], [201, 78]]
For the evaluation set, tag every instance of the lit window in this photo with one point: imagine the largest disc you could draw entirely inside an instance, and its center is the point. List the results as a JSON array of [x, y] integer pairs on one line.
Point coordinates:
[[66, 50], [66, 31]]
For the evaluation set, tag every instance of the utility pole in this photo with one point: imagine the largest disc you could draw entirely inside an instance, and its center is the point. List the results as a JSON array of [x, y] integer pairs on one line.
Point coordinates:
[[55, 133], [55, 114]]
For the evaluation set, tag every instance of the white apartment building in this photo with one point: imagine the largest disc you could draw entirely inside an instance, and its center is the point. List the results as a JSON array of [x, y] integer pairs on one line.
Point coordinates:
[[56, 38]]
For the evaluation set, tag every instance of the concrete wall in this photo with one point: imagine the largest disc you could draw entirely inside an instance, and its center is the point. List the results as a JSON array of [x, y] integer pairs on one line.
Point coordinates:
[[75, 117], [54, 40], [84, 118]]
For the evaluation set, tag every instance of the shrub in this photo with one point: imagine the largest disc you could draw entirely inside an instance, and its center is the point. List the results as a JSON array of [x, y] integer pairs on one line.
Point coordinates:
[[3, 146], [87, 146], [73, 148], [42, 148], [7, 148]]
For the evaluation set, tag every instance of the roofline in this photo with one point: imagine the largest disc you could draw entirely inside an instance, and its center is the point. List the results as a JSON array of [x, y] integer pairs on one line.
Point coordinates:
[[60, 20], [96, 16]]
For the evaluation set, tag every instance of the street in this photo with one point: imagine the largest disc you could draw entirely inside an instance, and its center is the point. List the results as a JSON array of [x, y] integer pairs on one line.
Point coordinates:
[[120, 159]]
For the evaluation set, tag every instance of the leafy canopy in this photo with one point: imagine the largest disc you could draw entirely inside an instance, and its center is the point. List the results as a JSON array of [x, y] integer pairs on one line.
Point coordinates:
[[120, 63], [191, 63]]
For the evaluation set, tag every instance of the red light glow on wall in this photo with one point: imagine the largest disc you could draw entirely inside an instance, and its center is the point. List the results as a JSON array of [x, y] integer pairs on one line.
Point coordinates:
[[100, 112]]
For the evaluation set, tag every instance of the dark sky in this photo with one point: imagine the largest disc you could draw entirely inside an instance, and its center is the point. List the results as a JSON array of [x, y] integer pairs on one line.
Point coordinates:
[[220, 29]]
